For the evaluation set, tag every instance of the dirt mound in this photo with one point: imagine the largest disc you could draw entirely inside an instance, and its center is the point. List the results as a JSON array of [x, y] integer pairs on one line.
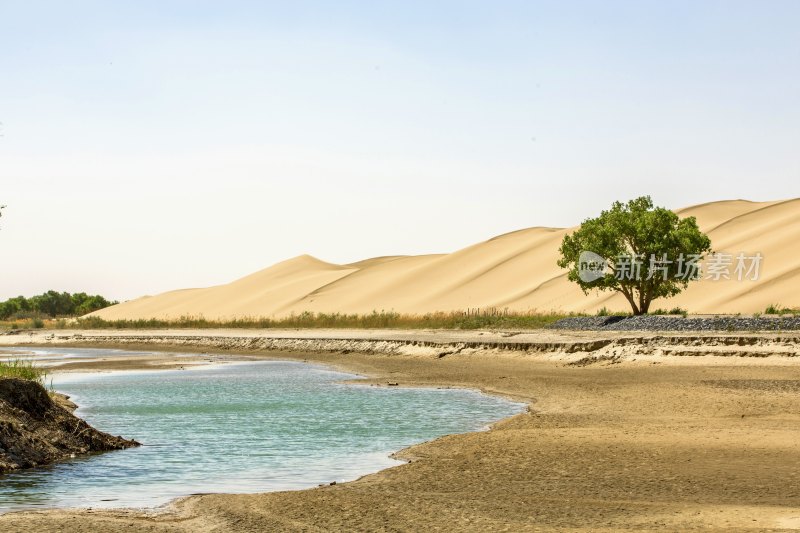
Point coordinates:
[[35, 430]]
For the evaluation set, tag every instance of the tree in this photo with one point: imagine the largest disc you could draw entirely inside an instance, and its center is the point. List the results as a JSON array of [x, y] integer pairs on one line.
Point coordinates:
[[53, 304], [85, 304], [643, 252]]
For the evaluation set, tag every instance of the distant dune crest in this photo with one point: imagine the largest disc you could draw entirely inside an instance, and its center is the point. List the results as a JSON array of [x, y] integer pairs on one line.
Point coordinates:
[[516, 270]]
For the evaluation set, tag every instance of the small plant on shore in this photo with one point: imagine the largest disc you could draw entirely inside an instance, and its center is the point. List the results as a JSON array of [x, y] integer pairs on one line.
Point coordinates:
[[776, 309], [674, 311], [23, 369], [605, 311]]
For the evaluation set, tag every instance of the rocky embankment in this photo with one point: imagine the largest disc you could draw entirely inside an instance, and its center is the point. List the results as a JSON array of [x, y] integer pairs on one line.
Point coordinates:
[[566, 346], [37, 429], [679, 323]]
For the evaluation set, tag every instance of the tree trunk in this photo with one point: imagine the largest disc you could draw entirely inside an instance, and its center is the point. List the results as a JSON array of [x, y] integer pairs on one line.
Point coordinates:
[[629, 296]]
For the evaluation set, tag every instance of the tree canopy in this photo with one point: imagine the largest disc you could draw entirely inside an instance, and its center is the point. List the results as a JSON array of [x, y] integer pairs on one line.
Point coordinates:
[[643, 252], [52, 304]]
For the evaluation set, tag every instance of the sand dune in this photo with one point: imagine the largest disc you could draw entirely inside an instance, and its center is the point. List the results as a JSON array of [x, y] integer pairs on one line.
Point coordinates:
[[517, 271]]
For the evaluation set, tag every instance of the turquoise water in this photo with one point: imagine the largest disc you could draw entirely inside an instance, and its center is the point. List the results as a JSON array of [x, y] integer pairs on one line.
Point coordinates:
[[239, 427]]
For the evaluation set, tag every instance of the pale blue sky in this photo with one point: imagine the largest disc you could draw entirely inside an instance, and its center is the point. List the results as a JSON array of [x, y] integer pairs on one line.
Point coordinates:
[[154, 145]]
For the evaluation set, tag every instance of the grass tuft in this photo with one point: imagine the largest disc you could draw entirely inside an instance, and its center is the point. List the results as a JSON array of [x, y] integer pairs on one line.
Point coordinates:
[[20, 368], [777, 309], [673, 311]]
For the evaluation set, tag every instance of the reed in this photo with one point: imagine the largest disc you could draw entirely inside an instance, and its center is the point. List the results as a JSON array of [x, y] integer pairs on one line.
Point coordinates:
[[23, 369], [468, 319]]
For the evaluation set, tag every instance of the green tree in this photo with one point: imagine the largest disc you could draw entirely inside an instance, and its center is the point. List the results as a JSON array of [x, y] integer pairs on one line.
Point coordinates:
[[643, 252], [7, 309], [86, 304], [53, 304]]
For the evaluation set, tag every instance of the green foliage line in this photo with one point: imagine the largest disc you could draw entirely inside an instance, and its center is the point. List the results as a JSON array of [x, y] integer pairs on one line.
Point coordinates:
[[374, 320], [52, 304]]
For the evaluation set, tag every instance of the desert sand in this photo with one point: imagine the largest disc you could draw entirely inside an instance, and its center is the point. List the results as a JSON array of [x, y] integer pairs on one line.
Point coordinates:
[[619, 436], [516, 271]]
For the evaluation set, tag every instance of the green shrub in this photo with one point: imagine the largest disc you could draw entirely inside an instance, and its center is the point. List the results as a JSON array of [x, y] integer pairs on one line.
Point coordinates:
[[776, 309]]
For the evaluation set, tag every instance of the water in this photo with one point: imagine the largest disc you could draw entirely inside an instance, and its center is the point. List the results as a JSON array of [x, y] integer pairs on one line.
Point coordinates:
[[240, 427], [48, 357]]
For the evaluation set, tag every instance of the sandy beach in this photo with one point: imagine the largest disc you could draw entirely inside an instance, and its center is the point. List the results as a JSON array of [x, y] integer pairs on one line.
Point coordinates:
[[642, 441]]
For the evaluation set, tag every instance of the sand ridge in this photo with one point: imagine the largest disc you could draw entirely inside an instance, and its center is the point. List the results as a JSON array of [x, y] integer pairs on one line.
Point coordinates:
[[516, 271]]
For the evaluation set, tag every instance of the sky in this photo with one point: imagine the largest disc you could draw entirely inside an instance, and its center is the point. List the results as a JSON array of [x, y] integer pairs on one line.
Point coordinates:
[[154, 145]]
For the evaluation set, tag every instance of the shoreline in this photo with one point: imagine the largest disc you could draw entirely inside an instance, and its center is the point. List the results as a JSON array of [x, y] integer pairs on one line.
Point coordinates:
[[559, 405], [350, 378], [571, 347]]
